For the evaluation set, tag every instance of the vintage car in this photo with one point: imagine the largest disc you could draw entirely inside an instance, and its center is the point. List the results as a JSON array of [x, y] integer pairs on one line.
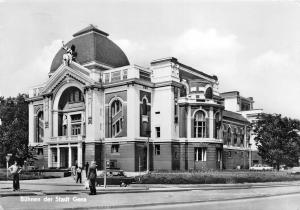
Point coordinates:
[[114, 177], [260, 167], [294, 170]]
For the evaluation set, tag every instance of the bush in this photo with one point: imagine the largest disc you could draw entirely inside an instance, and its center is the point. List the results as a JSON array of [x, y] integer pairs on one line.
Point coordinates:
[[29, 177], [215, 177]]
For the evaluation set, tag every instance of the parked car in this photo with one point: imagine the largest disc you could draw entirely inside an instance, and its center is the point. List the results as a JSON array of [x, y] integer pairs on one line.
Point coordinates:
[[115, 177], [260, 167], [283, 168], [295, 170]]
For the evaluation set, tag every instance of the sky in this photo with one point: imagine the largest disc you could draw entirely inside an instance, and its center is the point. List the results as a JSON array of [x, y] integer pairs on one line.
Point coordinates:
[[252, 46]]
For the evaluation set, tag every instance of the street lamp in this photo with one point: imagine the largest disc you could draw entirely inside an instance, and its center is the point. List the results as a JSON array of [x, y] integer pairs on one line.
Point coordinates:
[[7, 159]]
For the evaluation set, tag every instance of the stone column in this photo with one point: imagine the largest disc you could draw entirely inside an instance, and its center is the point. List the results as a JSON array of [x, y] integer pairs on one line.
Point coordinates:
[[50, 118], [55, 123], [79, 154], [69, 129], [245, 136], [31, 133], [49, 157], [58, 157], [211, 122], [70, 156], [188, 124]]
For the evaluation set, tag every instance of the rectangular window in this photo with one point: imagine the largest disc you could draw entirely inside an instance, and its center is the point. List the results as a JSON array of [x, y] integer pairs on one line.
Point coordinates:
[[40, 151], [75, 118], [125, 74], [219, 153], [145, 75], [200, 154], [157, 149], [54, 156], [199, 129], [115, 148], [116, 76], [76, 129], [229, 154], [118, 126], [106, 77], [157, 129]]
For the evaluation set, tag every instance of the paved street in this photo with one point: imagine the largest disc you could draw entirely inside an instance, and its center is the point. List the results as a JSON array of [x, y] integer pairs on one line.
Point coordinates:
[[65, 194], [289, 202]]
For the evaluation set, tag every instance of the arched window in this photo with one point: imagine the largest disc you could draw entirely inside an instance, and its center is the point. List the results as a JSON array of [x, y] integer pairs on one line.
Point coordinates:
[[199, 125], [116, 107], [40, 127], [209, 93], [70, 120], [116, 118], [229, 136]]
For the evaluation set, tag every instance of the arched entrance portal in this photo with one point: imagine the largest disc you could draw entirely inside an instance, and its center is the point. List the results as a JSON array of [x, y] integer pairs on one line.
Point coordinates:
[[69, 127]]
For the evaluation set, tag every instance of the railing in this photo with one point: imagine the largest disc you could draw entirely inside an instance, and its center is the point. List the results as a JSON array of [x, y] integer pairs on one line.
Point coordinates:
[[126, 72], [205, 140], [67, 138]]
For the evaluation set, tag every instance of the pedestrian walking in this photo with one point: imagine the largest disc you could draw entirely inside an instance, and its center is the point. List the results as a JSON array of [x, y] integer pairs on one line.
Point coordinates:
[[15, 170], [92, 175], [78, 171], [86, 169]]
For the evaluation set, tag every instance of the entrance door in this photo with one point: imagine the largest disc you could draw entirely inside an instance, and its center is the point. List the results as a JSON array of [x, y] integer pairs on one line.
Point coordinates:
[[64, 157]]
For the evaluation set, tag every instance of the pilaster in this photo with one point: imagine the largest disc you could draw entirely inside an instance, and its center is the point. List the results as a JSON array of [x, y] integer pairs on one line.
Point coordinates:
[[211, 122], [58, 157]]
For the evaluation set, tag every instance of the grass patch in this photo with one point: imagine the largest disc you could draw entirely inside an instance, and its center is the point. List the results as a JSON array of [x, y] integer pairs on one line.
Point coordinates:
[[215, 177]]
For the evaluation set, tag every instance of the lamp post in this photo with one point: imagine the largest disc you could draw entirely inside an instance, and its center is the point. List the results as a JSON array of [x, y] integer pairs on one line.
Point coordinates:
[[7, 160]]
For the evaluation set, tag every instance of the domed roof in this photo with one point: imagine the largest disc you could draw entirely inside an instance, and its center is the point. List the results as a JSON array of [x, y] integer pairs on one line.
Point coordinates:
[[92, 44]]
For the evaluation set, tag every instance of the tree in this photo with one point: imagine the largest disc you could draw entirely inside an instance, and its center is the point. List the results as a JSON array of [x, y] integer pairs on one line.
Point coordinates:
[[277, 139], [14, 128]]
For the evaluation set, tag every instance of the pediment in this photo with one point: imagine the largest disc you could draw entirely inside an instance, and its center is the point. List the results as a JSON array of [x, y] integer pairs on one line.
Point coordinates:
[[67, 74]]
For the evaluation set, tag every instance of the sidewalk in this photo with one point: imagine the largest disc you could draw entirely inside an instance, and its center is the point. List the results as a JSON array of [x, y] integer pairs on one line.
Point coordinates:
[[73, 196], [67, 185]]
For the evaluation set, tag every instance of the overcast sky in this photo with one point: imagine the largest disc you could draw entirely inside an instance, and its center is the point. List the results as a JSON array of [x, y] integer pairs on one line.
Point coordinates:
[[253, 47]]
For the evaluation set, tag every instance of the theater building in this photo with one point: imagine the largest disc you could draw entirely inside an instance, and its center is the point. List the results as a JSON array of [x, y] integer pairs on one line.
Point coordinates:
[[99, 106]]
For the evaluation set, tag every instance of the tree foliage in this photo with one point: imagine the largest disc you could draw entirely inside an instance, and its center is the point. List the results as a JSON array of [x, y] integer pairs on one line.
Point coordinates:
[[14, 128], [277, 139]]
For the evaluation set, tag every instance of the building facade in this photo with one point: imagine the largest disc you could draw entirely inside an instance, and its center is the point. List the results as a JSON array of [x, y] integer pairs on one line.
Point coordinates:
[[236, 103], [97, 106]]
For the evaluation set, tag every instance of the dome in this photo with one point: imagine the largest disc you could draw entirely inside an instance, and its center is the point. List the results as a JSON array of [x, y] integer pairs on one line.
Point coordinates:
[[93, 44]]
